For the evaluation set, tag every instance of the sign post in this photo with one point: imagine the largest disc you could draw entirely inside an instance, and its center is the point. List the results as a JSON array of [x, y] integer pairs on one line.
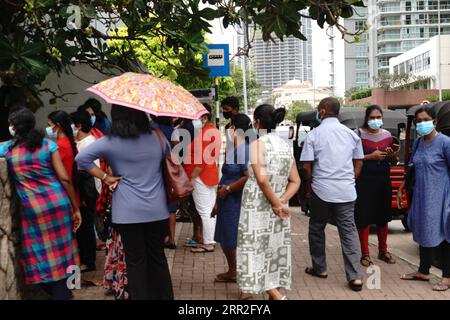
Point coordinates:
[[217, 61]]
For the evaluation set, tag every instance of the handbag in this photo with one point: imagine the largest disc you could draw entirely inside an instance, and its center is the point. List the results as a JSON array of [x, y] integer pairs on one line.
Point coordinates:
[[177, 183]]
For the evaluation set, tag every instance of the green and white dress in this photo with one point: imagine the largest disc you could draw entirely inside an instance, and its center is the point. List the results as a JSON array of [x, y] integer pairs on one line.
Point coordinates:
[[264, 239]]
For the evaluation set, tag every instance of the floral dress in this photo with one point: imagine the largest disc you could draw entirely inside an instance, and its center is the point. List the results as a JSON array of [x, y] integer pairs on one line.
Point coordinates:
[[264, 239]]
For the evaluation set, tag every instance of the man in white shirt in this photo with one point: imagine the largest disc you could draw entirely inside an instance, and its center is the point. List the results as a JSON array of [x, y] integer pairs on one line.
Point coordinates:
[[332, 156]]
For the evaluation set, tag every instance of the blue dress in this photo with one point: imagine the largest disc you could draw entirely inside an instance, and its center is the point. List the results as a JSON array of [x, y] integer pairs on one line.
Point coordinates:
[[429, 216], [229, 209]]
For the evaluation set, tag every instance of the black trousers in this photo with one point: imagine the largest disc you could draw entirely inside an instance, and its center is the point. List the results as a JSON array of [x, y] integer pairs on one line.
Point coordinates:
[[86, 237], [425, 259], [57, 290], [147, 269]]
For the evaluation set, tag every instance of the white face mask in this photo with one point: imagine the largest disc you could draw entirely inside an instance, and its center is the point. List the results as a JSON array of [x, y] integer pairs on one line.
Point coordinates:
[[74, 130], [197, 123], [12, 132]]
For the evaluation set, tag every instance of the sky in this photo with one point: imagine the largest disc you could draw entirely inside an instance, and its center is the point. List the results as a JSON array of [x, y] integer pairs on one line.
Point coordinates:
[[320, 42]]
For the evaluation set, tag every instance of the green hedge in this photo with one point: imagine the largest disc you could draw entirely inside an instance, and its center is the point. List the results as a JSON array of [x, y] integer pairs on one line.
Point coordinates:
[[445, 97], [361, 94]]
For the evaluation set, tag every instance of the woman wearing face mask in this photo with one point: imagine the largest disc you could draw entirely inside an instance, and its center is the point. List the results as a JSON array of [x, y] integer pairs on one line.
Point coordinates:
[[373, 205], [60, 129], [49, 210], [202, 168], [228, 205], [264, 233], [429, 214]]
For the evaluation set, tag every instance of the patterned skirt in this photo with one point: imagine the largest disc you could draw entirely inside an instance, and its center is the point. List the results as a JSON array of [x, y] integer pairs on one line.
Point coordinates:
[[115, 277]]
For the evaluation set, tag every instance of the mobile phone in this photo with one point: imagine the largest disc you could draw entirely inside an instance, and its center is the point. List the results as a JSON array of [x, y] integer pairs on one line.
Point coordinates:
[[395, 147]]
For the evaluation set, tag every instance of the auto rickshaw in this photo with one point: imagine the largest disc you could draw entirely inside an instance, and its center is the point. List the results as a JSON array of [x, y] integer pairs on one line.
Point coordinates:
[[394, 122]]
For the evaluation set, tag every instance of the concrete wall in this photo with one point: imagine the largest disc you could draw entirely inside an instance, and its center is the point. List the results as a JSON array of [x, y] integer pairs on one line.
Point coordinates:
[[10, 269], [398, 98], [67, 83]]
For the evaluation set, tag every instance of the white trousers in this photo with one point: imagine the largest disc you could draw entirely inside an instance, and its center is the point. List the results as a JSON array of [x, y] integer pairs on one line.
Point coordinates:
[[205, 199]]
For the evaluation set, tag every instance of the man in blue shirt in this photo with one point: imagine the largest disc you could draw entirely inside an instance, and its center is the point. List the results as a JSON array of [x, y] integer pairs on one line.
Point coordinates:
[[332, 156]]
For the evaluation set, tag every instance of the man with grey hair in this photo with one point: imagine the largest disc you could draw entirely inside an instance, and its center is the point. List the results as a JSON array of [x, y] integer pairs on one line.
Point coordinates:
[[332, 157]]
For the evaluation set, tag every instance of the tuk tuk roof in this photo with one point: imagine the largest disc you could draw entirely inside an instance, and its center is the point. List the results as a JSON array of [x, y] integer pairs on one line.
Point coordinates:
[[354, 118], [435, 105], [443, 117], [306, 117]]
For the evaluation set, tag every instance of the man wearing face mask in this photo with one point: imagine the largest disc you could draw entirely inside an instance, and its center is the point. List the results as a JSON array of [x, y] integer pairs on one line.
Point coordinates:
[[332, 157], [230, 107], [201, 166]]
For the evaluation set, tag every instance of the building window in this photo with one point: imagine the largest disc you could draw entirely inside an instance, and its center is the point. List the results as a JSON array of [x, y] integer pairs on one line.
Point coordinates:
[[359, 25], [361, 64], [362, 77], [361, 51], [420, 5], [408, 6], [408, 19], [396, 69], [426, 60]]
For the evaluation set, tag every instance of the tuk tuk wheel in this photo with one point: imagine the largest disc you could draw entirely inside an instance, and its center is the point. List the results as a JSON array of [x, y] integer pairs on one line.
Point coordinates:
[[405, 224]]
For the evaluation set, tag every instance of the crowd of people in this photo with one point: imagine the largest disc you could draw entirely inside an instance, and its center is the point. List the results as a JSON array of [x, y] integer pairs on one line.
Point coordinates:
[[93, 183]]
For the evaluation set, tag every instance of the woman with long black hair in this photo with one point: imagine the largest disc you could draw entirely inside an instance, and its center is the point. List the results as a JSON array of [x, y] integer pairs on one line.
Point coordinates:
[[49, 210], [60, 129], [373, 186], [139, 202]]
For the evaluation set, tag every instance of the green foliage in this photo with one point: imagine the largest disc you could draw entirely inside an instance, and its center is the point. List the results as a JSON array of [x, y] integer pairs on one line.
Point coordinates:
[[296, 107], [36, 38], [350, 91], [445, 96], [361, 94]]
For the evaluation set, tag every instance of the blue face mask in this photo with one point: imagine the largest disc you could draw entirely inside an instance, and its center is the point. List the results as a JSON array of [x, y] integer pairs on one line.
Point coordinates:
[[424, 128], [375, 124], [93, 119], [318, 119], [50, 133]]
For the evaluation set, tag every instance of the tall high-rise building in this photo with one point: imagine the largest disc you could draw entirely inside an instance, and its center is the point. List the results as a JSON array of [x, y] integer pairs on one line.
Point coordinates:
[[394, 28], [275, 63], [357, 54]]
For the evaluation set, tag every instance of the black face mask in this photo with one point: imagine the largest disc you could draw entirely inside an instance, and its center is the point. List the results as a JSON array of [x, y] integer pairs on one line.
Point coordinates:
[[227, 115]]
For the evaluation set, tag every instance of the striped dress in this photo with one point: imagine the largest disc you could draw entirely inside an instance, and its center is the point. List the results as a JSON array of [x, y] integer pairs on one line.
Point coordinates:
[[48, 245]]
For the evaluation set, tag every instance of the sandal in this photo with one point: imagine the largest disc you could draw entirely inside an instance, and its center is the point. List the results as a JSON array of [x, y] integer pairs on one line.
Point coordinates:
[[191, 243], [355, 287], [171, 246], [414, 277], [245, 296], [366, 261], [202, 249], [441, 287], [311, 272], [386, 257], [223, 277]]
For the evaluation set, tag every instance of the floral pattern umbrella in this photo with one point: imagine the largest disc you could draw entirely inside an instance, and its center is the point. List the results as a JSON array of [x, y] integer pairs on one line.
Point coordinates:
[[149, 94]]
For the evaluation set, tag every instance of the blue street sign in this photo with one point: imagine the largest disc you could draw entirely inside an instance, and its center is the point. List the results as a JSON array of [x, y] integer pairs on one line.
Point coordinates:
[[217, 60]]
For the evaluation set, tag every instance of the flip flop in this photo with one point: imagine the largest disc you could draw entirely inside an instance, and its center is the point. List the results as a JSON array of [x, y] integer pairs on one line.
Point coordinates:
[[223, 278], [311, 272], [202, 250], [441, 287], [411, 277], [191, 243]]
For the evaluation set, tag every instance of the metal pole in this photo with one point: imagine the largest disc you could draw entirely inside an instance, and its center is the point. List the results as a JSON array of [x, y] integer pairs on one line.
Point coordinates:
[[216, 98], [244, 70], [439, 52]]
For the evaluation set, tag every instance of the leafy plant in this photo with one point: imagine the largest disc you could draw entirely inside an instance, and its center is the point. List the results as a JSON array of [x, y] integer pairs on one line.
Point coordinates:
[[296, 107], [361, 94]]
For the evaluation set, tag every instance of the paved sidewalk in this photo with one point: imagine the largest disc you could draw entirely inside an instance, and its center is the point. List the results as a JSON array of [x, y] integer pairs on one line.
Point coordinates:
[[193, 274]]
